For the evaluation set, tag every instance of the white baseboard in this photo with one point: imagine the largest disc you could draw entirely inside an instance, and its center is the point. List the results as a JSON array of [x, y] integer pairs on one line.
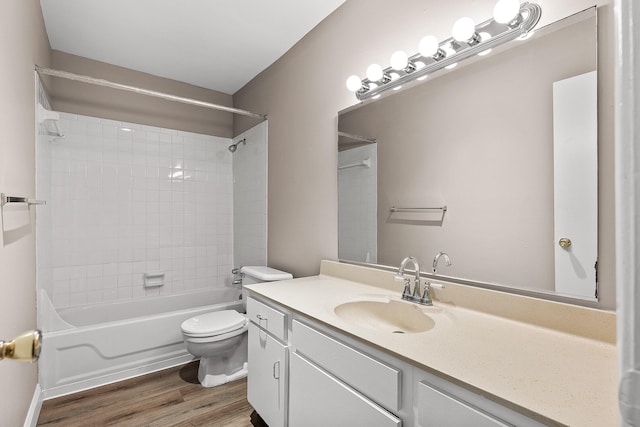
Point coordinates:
[[34, 409]]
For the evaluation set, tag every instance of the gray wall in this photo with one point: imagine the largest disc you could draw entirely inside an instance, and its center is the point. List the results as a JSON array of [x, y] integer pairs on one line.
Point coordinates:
[[80, 98], [303, 91], [23, 43]]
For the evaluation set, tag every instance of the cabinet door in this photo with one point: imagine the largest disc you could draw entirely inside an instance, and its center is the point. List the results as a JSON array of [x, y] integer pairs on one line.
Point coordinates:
[[378, 380], [267, 381], [318, 399], [436, 409]]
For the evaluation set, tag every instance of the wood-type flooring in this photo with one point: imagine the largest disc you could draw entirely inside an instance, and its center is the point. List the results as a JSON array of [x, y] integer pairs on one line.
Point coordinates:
[[172, 397]]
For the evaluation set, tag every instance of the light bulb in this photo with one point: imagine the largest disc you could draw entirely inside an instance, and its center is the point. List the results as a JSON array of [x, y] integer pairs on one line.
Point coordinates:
[[354, 83], [399, 60], [464, 29], [484, 37], [428, 46], [506, 11], [374, 72]]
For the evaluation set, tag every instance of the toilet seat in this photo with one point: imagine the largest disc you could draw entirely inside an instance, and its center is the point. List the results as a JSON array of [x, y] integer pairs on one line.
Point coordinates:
[[215, 338], [218, 325]]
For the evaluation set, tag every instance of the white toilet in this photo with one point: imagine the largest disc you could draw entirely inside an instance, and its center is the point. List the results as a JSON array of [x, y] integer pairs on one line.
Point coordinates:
[[219, 338]]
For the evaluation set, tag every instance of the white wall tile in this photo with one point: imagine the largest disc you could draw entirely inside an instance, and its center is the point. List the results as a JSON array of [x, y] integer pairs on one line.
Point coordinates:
[[125, 202], [249, 198], [357, 237]]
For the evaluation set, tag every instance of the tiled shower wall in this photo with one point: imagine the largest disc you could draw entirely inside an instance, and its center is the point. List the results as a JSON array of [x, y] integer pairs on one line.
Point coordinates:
[[127, 200], [250, 198]]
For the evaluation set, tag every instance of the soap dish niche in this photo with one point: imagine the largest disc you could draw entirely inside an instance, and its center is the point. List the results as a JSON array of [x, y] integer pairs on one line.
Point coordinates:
[[153, 280]]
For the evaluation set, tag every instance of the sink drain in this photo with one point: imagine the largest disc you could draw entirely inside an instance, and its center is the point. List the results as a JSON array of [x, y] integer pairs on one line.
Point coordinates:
[[397, 332]]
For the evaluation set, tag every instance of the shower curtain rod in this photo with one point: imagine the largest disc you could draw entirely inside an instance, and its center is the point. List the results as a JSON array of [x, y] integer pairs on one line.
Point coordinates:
[[107, 83]]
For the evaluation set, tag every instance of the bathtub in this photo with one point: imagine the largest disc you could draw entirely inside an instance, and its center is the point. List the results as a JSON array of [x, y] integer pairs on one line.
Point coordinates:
[[90, 346]]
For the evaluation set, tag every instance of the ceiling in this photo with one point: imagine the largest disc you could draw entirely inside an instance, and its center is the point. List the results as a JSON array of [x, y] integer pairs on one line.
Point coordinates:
[[215, 44]]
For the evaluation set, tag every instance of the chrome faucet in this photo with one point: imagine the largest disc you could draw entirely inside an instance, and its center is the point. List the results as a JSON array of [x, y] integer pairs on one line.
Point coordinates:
[[238, 275], [406, 292], [436, 259], [426, 296]]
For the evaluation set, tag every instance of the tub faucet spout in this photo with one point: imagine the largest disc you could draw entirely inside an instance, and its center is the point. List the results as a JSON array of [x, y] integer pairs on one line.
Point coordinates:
[[237, 277]]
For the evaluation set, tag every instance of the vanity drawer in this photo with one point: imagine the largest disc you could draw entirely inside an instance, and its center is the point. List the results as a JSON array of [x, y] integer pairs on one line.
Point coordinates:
[[438, 409], [377, 380], [268, 318]]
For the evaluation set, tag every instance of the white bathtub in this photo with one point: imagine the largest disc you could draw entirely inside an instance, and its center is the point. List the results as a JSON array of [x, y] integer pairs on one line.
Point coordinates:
[[85, 347]]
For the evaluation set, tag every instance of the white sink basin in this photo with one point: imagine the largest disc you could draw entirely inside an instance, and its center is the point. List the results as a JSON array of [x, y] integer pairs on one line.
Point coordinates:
[[390, 316]]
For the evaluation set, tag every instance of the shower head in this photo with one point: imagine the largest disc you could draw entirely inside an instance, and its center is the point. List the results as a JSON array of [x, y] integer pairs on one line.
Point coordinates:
[[234, 147]]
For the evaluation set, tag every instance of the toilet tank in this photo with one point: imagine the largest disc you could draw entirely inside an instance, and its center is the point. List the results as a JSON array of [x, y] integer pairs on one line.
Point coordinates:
[[261, 273]]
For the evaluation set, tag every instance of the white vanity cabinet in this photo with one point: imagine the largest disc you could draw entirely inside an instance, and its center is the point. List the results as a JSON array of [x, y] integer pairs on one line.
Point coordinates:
[[268, 368], [440, 403], [303, 373], [438, 409], [318, 399], [333, 384]]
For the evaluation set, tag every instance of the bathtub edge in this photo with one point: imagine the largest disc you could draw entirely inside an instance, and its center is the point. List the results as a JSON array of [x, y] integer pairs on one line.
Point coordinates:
[[107, 379]]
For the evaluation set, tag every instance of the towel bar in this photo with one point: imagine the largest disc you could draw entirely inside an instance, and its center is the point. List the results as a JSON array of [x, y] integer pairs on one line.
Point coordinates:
[[4, 199]]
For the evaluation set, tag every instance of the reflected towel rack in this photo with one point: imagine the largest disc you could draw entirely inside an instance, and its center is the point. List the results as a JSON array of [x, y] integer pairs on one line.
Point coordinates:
[[440, 208], [365, 163], [357, 137], [4, 199]]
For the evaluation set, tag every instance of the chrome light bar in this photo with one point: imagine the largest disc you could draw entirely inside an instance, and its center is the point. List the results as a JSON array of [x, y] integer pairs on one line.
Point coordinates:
[[485, 36]]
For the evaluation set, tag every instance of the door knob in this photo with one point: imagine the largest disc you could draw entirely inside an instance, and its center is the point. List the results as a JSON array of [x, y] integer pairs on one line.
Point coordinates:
[[25, 348], [564, 242]]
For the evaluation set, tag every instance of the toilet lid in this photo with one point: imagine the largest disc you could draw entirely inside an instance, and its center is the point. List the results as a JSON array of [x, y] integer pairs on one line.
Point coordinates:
[[215, 323]]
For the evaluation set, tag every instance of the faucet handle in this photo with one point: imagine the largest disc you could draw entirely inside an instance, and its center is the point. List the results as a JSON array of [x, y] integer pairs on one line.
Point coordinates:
[[407, 287], [426, 297]]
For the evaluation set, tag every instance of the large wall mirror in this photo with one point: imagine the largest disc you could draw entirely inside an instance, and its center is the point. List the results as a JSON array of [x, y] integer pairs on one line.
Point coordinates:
[[494, 162]]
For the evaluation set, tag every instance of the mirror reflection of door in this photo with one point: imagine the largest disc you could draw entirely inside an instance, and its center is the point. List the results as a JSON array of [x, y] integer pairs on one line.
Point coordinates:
[[575, 153]]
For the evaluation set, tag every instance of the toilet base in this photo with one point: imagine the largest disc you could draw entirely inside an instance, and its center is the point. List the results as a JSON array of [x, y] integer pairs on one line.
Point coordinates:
[[212, 380]]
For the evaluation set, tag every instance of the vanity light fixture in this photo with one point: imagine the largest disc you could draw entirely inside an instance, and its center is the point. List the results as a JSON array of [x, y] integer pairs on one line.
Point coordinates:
[[507, 12], [464, 31], [511, 20], [484, 37]]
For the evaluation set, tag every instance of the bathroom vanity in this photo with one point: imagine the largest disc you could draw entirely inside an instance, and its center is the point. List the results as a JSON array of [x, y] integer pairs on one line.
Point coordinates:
[[343, 349]]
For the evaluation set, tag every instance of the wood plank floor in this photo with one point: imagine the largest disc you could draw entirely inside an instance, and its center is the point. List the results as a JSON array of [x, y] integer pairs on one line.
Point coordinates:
[[172, 397]]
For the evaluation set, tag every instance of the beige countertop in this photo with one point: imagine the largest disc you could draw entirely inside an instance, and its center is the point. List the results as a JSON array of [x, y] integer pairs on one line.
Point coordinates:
[[553, 368]]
